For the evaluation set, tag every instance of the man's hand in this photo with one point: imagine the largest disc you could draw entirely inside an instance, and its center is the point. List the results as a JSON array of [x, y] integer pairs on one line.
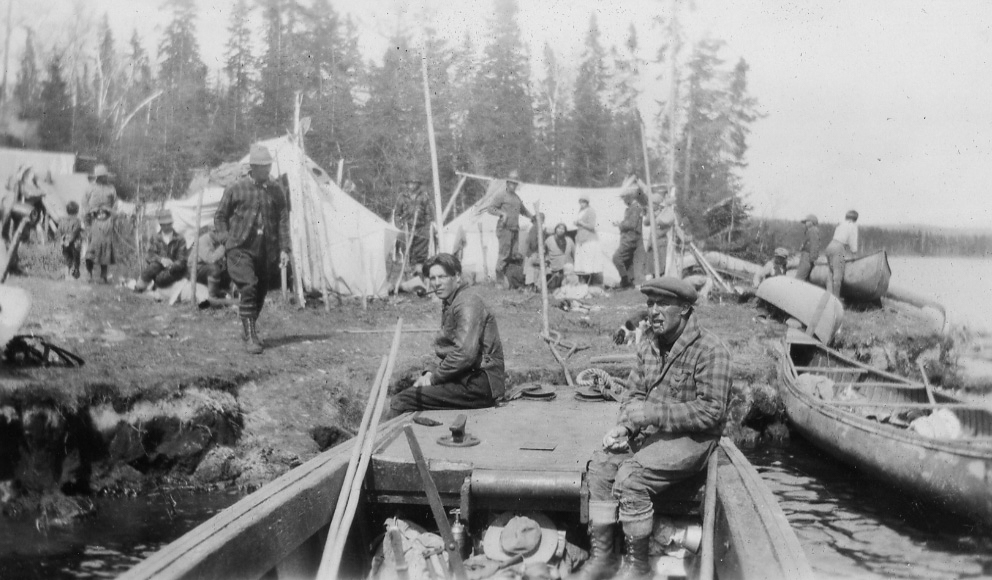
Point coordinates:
[[424, 380], [283, 259], [635, 413], [166, 262], [616, 438]]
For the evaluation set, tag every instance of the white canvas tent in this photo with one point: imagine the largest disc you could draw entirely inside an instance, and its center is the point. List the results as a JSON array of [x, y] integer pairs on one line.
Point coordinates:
[[337, 242], [559, 205]]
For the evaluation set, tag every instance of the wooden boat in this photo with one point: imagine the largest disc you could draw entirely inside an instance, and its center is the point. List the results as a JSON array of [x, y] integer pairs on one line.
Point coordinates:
[[866, 279], [862, 420], [816, 308], [530, 458]]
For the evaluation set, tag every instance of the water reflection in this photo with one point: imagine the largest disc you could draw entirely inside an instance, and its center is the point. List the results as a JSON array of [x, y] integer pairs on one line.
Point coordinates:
[[853, 527], [122, 533]]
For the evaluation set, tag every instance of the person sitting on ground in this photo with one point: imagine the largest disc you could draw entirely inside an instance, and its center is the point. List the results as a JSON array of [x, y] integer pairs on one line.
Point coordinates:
[[166, 258], [211, 264], [469, 373], [71, 237], [774, 267], [559, 250], [671, 419]]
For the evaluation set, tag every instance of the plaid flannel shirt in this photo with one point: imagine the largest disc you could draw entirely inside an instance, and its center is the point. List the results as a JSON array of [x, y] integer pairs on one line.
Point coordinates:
[[686, 389], [247, 207], [175, 250]]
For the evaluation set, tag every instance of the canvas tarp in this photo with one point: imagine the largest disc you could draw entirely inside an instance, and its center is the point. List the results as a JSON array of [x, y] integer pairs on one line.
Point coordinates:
[[558, 204], [44, 163], [336, 241]]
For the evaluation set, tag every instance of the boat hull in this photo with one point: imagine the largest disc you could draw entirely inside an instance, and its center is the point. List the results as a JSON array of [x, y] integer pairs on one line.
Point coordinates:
[[866, 279], [956, 475], [531, 456]]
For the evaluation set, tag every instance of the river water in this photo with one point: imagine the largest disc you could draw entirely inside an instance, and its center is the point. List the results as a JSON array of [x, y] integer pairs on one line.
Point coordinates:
[[849, 526]]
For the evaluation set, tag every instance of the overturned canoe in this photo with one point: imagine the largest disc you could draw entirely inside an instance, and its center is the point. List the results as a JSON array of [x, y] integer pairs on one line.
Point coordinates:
[[863, 417], [527, 457], [866, 279], [817, 309]]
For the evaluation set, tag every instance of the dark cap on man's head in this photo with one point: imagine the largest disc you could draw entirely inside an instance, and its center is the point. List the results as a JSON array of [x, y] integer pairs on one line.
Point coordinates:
[[671, 288], [851, 215], [810, 219]]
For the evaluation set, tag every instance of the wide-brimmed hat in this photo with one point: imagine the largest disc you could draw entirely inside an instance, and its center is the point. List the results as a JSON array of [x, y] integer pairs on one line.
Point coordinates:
[[99, 170], [584, 197], [413, 178], [165, 217], [514, 176], [781, 253], [810, 219], [259, 155], [530, 534]]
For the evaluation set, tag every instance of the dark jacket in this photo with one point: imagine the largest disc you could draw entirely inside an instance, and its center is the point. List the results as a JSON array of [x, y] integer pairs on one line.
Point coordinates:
[[246, 207], [409, 206], [811, 242], [632, 216], [509, 207], [468, 341], [175, 250]]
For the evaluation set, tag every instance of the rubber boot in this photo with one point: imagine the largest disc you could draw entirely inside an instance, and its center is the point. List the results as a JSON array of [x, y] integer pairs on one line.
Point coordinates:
[[603, 561], [254, 344], [635, 564]]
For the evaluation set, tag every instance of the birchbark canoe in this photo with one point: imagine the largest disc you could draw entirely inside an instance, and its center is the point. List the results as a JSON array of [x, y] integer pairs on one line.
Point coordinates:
[[531, 457], [860, 423]]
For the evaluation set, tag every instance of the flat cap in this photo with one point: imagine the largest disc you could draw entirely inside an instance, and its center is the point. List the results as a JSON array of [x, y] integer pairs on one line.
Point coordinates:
[[811, 219], [851, 215], [669, 287], [781, 252]]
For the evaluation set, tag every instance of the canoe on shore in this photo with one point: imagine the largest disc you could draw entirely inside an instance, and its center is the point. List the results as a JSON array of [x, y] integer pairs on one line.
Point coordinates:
[[866, 279], [817, 309], [530, 460], [884, 425]]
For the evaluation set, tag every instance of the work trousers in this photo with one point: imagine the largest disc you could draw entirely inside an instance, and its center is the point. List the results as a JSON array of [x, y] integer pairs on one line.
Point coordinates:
[[419, 247], [475, 393], [70, 257], [508, 242], [216, 273], [619, 477], [251, 269], [623, 258], [836, 260], [805, 266], [162, 276]]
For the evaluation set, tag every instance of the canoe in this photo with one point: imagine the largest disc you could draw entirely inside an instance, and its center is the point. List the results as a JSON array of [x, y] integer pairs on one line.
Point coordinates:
[[859, 415], [814, 307], [530, 459], [866, 279]]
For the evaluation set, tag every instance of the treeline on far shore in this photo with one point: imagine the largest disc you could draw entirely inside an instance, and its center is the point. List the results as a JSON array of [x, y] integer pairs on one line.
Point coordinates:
[[764, 235]]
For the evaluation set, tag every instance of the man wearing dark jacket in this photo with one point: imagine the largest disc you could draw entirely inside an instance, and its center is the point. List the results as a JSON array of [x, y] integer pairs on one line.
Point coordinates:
[[252, 221], [630, 236], [469, 373], [809, 251], [508, 206], [166, 259]]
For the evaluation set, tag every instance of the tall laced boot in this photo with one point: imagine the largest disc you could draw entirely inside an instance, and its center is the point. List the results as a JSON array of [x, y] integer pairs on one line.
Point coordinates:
[[253, 344], [603, 561], [636, 565]]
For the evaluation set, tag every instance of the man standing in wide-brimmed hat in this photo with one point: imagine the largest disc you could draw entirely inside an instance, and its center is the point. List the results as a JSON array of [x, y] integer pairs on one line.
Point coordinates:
[[413, 213], [670, 422], [166, 258], [630, 235], [508, 206], [252, 222]]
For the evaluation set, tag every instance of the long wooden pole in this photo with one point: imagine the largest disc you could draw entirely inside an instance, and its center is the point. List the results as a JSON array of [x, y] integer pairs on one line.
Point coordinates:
[[454, 196], [540, 254], [673, 96], [438, 212], [196, 246], [647, 179], [706, 567], [343, 514]]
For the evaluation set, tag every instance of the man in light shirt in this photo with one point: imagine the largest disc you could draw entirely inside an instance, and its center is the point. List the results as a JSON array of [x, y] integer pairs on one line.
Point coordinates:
[[841, 249]]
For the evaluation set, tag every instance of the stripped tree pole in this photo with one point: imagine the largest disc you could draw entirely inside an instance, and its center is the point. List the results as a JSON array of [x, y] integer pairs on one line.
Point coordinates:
[[196, 245], [647, 179], [438, 212], [539, 224], [673, 95]]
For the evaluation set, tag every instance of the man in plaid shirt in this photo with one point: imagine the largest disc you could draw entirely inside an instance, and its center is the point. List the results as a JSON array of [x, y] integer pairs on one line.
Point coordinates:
[[252, 222], [670, 421]]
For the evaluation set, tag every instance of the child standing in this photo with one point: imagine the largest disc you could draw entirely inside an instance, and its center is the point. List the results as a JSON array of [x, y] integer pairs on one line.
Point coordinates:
[[70, 233]]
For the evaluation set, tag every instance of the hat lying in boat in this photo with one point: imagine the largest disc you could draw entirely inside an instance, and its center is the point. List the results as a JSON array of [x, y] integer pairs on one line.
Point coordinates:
[[532, 535]]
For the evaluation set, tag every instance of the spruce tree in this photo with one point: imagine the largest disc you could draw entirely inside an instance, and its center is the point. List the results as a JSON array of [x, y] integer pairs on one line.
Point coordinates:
[[551, 120], [27, 87], [591, 120], [55, 128]]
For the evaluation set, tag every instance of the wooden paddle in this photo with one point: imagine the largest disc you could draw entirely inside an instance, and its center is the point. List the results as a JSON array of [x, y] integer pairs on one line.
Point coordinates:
[[926, 382]]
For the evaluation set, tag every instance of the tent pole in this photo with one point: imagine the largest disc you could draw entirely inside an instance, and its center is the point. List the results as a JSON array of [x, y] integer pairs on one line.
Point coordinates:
[[312, 211], [454, 196], [196, 245], [438, 216], [647, 177], [539, 224], [673, 95]]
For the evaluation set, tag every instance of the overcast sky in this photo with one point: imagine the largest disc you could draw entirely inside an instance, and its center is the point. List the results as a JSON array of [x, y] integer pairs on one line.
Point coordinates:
[[884, 106]]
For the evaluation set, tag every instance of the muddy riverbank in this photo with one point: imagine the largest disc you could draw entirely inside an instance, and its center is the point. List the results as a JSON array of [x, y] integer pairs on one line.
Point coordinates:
[[167, 396]]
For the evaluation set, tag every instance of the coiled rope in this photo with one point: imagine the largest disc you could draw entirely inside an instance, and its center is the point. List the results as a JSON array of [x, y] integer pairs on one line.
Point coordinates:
[[603, 381]]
